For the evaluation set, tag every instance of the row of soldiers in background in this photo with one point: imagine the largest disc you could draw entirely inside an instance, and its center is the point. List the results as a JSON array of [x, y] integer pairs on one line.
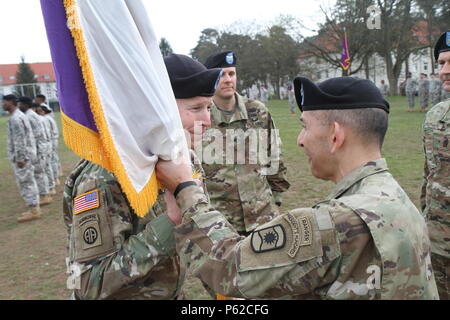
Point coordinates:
[[430, 91], [33, 138]]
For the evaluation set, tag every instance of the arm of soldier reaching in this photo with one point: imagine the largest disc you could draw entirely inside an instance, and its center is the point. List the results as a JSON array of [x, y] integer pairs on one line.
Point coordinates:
[[277, 260], [116, 264]]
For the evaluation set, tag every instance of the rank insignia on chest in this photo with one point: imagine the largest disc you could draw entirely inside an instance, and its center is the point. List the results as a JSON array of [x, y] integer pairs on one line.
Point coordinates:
[[86, 202], [268, 239]]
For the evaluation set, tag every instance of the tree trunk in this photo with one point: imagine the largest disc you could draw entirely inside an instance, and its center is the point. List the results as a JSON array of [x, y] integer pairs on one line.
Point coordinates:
[[432, 59], [366, 67], [407, 65], [393, 80]]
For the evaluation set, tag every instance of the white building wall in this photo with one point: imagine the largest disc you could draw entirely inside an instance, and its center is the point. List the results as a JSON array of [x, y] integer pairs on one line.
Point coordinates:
[[47, 88], [418, 63]]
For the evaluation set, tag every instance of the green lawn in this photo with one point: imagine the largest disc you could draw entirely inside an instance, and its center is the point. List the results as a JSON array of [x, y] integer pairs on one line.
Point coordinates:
[[33, 254]]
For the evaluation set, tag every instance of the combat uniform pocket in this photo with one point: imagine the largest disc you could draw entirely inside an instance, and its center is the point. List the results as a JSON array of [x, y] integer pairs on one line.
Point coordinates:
[[91, 236]]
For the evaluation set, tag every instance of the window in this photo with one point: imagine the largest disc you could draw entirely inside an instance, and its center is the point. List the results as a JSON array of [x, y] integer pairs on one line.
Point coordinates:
[[47, 76], [1, 78], [36, 76], [12, 77]]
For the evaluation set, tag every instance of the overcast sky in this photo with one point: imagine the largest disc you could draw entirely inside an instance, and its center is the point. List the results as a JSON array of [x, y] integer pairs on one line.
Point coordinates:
[[179, 21]]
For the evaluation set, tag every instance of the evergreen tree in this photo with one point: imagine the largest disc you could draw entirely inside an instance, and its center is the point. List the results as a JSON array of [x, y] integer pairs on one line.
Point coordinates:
[[165, 47], [25, 75]]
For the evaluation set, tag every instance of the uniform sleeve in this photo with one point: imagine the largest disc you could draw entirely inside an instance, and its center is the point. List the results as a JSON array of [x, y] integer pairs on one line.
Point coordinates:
[[423, 190], [19, 141], [277, 181], [103, 257], [291, 255]]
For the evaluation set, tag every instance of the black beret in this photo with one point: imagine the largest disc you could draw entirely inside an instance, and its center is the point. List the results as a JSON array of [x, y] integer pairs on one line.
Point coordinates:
[[189, 78], [26, 100], [442, 45], [225, 59], [338, 93], [45, 109], [10, 97]]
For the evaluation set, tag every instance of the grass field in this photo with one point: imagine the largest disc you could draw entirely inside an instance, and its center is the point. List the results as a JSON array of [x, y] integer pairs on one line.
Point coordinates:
[[32, 264]]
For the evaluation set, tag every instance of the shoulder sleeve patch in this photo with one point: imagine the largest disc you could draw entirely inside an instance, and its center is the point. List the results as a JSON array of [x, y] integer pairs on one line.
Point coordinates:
[[85, 202], [290, 238], [91, 233]]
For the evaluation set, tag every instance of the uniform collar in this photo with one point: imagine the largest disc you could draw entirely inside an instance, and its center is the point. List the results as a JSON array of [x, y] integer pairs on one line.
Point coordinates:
[[368, 169], [240, 112]]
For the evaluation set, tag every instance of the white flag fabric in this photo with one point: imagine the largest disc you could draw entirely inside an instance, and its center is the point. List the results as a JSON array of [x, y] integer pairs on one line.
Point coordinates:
[[129, 93]]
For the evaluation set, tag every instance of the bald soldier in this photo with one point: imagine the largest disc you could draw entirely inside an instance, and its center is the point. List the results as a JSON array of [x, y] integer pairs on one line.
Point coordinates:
[[248, 191], [366, 240], [436, 188], [130, 260]]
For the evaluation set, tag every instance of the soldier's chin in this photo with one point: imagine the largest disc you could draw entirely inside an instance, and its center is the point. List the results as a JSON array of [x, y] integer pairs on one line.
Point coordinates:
[[446, 86]]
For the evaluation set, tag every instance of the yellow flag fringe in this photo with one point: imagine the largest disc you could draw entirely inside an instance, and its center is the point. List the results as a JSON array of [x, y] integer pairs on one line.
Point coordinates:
[[141, 202], [84, 142]]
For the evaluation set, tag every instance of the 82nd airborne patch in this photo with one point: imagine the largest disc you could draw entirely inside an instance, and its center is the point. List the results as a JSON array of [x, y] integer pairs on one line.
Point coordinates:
[[268, 239]]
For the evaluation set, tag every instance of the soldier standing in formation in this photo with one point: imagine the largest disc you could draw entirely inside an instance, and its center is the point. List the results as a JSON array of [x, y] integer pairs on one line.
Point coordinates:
[[410, 89], [384, 89], [436, 187], [264, 93], [49, 143], [367, 240], [129, 261], [41, 100], [22, 154], [54, 134], [435, 89], [291, 99], [424, 92], [38, 128], [243, 192]]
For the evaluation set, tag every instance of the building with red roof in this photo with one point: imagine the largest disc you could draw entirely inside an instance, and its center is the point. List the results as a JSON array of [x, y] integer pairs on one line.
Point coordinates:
[[43, 74]]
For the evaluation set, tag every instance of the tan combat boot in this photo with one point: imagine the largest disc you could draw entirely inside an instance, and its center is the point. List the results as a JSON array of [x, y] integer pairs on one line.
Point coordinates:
[[45, 200], [52, 191], [57, 182], [33, 214]]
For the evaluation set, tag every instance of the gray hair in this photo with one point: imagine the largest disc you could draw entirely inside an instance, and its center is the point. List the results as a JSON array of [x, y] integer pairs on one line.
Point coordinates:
[[370, 124]]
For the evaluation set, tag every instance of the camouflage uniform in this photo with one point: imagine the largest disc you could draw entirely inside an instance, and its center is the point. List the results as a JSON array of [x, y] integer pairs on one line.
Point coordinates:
[[264, 96], [55, 141], [48, 156], [366, 241], [384, 89], [22, 148], [41, 151], [444, 94], [410, 89], [436, 191], [435, 91], [424, 89], [129, 260], [242, 192]]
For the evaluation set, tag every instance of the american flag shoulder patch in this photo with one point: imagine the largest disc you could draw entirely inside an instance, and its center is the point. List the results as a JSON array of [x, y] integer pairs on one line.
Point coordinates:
[[86, 201]]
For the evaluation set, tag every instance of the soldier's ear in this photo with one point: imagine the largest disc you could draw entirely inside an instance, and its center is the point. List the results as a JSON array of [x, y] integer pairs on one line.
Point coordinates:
[[338, 136]]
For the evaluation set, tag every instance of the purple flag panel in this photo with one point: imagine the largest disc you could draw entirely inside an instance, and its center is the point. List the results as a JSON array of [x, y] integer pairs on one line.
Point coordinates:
[[345, 59], [69, 79]]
